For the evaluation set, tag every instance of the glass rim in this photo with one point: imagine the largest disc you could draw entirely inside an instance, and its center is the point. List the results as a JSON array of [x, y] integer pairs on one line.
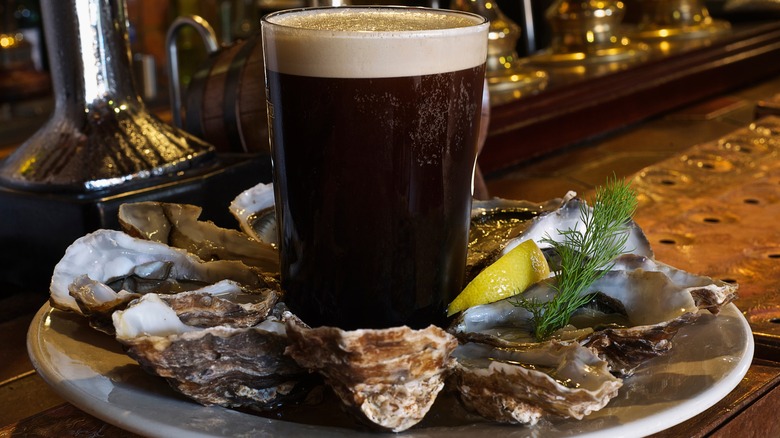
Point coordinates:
[[479, 23]]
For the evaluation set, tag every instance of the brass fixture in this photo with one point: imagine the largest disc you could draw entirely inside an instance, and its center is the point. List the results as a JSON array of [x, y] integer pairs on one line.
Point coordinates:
[[586, 41], [509, 78], [671, 25]]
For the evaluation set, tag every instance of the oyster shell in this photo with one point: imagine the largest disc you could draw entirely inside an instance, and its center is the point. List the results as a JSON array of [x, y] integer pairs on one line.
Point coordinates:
[[224, 303], [254, 210], [651, 301], [499, 225], [97, 301], [216, 332], [239, 306], [626, 349], [569, 217], [123, 263], [648, 301], [389, 377], [522, 385], [496, 222], [222, 365], [177, 225]]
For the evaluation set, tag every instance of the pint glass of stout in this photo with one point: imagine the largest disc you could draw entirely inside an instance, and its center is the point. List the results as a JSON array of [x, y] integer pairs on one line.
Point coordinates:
[[373, 116]]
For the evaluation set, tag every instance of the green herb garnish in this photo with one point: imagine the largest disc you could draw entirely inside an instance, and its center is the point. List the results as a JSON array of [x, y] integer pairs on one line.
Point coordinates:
[[584, 257]]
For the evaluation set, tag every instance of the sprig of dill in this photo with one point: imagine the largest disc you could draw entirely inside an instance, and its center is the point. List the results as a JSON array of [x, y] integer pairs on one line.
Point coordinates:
[[584, 256]]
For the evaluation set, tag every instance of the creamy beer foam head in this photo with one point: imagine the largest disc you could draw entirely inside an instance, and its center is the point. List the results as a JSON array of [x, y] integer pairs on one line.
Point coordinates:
[[373, 42]]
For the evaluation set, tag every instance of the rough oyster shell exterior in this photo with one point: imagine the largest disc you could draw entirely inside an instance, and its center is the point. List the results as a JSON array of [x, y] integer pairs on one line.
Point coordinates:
[[204, 308], [220, 365], [628, 348], [522, 385], [388, 377]]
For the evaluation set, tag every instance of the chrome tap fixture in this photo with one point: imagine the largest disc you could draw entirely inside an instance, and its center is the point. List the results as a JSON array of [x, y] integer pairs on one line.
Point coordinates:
[[100, 135]]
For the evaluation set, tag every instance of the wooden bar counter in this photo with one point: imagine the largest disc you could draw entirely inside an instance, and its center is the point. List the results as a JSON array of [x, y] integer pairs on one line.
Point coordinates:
[[707, 204]]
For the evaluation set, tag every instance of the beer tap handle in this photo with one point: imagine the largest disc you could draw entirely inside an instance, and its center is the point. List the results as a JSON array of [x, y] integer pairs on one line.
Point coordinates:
[[209, 37]]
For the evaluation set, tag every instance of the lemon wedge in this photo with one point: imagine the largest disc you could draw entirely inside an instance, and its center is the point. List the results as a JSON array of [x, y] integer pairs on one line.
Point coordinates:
[[510, 275]]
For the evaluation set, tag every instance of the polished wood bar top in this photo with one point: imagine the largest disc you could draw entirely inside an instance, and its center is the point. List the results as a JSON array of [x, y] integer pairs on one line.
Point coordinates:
[[682, 138]]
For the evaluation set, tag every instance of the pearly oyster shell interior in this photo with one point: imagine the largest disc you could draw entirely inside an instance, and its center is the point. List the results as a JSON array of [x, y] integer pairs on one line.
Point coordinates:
[[113, 262], [254, 211], [569, 216]]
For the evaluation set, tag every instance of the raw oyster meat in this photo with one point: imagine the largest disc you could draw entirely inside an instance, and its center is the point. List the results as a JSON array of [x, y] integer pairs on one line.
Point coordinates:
[[177, 225], [116, 264], [389, 377], [522, 385], [222, 365]]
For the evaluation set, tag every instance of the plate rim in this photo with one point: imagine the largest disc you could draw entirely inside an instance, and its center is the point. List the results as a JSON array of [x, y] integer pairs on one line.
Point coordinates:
[[123, 418]]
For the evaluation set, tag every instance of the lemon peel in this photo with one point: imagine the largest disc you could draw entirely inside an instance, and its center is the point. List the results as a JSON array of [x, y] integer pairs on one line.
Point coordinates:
[[510, 275]]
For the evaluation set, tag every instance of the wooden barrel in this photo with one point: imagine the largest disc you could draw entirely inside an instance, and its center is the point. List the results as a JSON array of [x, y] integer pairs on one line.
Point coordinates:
[[225, 101]]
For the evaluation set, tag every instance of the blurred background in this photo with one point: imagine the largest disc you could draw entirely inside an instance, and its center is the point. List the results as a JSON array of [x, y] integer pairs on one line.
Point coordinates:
[[25, 90], [560, 72]]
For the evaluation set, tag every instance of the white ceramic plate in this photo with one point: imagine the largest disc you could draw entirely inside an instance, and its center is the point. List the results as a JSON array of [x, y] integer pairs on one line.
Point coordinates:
[[89, 370]]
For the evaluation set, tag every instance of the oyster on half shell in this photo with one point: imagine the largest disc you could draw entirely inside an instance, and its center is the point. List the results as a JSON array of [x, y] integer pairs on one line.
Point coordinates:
[[178, 226], [231, 366], [108, 265], [499, 225], [648, 302], [388, 377], [568, 216], [637, 307], [522, 385], [238, 305]]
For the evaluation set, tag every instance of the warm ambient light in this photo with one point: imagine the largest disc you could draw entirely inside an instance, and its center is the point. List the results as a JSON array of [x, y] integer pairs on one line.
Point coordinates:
[[8, 41]]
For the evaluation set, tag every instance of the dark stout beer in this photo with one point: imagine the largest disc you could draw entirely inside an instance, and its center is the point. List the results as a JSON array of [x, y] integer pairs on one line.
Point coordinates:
[[373, 174]]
